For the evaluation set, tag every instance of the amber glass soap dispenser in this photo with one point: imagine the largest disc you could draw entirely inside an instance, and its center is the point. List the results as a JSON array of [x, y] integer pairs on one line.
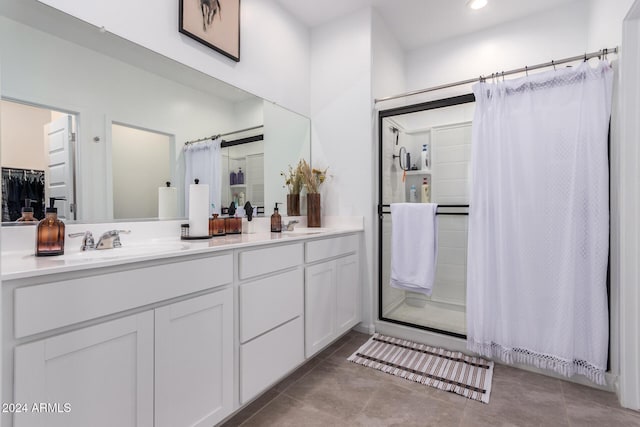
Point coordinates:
[[276, 220], [50, 232]]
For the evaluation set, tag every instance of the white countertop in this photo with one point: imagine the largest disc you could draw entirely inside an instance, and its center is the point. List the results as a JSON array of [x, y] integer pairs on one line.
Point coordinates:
[[21, 263]]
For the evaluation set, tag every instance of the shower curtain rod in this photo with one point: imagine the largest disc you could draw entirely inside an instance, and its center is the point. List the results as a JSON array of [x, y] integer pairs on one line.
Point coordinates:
[[223, 134], [553, 63]]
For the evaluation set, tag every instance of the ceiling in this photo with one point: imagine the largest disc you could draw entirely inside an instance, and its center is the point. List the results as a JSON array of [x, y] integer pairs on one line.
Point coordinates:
[[417, 23]]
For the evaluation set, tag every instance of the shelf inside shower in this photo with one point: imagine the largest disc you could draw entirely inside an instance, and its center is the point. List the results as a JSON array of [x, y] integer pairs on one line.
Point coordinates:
[[419, 172]]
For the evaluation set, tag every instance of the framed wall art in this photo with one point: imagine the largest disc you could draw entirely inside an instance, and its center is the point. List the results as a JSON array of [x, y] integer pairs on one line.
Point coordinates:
[[214, 23]]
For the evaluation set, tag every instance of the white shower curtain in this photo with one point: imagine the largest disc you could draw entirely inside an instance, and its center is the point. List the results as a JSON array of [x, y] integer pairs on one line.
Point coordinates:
[[539, 221], [203, 162]]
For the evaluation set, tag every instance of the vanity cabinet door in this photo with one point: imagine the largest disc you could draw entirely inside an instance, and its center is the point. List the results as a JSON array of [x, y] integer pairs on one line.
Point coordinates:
[[347, 293], [104, 373], [320, 306], [194, 361]]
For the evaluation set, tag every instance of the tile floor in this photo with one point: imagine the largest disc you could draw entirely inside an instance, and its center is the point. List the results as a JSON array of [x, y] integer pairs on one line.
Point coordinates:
[[330, 391]]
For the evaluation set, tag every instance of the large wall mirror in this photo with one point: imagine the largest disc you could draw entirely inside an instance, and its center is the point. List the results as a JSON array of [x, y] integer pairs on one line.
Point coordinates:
[[102, 122]]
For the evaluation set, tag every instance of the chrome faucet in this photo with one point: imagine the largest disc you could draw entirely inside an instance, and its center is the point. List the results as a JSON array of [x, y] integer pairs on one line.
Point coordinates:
[[289, 225], [111, 239], [87, 240]]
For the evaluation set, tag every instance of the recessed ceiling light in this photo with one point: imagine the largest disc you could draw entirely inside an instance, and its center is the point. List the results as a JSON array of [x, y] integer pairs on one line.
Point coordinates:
[[477, 4]]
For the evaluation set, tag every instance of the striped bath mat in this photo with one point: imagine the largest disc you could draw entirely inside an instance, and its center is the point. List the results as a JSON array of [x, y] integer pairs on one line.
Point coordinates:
[[447, 370]]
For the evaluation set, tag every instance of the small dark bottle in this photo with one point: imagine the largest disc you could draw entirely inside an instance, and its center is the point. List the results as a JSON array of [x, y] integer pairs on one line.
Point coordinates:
[[276, 220], [233, 180], [50, 232], [216, 226], [233, 225], [240, 176]]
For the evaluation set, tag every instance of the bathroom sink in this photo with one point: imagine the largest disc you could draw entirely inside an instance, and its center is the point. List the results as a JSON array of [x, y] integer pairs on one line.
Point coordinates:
[[130, 250], [303, 231]]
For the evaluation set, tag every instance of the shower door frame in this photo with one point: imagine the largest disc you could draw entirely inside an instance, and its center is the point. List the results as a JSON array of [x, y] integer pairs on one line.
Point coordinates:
[[382, 114]]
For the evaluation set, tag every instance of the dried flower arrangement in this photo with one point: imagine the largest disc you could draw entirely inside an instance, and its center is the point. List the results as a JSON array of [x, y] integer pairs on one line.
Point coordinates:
[[312, 177], [293, 179]]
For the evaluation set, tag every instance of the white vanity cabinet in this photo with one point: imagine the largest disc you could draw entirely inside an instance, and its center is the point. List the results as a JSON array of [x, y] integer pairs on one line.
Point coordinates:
[[271, 316], [332, 291], [179, 341], [104, 372], [194, 361], [169, 363]]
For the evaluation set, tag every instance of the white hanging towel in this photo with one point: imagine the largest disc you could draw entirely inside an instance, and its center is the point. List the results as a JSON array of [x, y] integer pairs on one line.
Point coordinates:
[[414, 246]]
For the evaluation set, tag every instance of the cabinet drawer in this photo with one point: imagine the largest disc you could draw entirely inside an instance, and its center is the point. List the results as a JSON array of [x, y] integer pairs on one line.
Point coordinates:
[[267, 303], [327, 248], [53, 305], [268, 358], [263, 261]]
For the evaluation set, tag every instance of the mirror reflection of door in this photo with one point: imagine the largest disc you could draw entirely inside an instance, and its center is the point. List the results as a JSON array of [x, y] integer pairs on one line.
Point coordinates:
[[59, 176], [141, 163], [38, 144]]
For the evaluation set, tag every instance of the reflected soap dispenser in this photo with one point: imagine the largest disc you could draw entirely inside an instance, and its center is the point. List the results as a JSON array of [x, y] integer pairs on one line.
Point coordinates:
[[50, 232], [27, 213], [276, 220]]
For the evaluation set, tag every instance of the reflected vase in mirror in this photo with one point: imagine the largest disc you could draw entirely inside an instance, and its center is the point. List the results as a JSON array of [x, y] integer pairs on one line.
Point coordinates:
[[293, 204], [313, 210]]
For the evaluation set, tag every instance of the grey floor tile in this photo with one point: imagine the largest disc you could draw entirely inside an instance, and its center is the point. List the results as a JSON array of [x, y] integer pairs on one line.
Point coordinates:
[[252, 409], [508, 373], [579, 392], [341, 354], [521, 404], [285, 411], [358, 335], [298, 374], [584, 413], [337, 389], [330, 391], [396, 406], [327, 352], [475, 419]]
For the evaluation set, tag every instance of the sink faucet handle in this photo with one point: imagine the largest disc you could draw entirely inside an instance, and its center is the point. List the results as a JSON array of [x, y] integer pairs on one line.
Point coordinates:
[[111, 239], [87, 240], [289, 225]]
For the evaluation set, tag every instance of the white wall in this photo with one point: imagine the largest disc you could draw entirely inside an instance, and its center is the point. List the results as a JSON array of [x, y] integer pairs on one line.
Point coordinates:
[[342, 125], [388, 70], [274, 46], [49, 71], [23, 135], [627, 271], [539, 38], [140, 162], [605, 23]]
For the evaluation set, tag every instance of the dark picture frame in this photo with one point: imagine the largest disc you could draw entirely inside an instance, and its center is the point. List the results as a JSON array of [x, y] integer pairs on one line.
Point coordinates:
[[214, 23]]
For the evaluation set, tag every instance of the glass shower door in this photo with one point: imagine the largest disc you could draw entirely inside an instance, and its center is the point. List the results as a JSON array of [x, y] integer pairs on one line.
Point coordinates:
[[446, 131]]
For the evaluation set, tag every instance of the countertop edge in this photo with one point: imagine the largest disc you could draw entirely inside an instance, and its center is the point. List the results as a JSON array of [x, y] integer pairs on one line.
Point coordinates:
[[197, 248]]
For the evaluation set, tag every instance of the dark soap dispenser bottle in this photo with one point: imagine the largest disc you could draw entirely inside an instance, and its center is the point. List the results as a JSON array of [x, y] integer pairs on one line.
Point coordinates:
[[276, 220], [50, 232]]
